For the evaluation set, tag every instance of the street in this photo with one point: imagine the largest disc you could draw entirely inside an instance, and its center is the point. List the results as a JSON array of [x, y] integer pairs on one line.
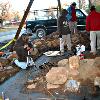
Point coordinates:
[[6, 36]]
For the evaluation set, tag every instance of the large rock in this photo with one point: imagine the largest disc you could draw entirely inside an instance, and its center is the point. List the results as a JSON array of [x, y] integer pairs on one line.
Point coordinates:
[[52, 86], [31, 86], [63, 63], [88, 69], [97, 62], [74, 62], [97, 81], [4, 62], [57, 75]]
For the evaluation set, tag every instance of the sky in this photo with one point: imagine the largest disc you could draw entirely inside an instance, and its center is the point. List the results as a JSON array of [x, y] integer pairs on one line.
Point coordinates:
[[21, 5]]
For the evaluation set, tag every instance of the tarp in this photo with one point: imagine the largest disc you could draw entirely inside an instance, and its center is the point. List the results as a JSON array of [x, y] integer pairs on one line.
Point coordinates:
[[52, 53]]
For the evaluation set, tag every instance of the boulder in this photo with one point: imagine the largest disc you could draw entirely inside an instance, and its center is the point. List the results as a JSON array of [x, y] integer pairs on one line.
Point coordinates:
[[63, 63], [57, 75], [31, 86], [97, 62], [73, 72], [97, 81], [4, 62], [74, 62], [52, 86], [88, 69]]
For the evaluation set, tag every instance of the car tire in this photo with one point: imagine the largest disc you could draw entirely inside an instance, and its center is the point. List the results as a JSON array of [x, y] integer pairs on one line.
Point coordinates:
[[40, 32]]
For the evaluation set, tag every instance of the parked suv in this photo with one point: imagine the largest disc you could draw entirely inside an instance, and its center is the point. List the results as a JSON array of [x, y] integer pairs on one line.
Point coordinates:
[[47, 26]]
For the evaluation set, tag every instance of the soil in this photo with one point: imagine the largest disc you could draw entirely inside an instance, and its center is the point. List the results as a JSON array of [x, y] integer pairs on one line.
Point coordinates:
[[86, 78], [4, 75]]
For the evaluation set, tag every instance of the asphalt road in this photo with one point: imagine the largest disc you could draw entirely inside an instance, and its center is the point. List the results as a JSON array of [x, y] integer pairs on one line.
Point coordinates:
[[6, 36]]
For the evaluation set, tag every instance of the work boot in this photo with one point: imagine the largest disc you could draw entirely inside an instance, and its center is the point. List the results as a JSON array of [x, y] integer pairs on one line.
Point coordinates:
[[61, 53], [70, 52]]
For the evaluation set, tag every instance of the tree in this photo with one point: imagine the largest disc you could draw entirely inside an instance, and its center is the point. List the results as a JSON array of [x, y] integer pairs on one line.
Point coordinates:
[[82, 4], [4, 11], [16, 15], [98, 8], [90, 3]]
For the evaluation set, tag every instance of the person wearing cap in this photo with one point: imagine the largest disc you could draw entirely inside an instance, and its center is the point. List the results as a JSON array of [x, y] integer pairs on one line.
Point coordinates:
[[64, 31], [22, 46], [93, 26], [71, 17]]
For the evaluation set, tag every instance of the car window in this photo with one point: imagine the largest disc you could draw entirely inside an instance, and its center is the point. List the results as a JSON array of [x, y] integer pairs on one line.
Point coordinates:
[[52, 22], [79, 14]]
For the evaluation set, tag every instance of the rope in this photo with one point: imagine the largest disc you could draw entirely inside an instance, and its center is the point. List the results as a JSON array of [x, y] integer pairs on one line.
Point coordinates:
[[3, 47]]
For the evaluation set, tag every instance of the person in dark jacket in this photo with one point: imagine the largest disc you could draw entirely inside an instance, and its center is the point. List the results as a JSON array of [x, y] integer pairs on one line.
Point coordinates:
[[64, 31], [93, 26], [22, 46]]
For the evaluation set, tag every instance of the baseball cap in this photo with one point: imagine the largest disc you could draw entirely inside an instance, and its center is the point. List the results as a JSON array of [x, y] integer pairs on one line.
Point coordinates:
[[74, 3], [92, 8]]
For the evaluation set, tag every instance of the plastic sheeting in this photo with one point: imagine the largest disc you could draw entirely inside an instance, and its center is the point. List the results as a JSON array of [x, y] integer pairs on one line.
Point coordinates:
[[72, 85]]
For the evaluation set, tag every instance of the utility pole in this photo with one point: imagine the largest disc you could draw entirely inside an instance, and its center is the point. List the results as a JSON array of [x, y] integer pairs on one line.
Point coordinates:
[[59, 6]]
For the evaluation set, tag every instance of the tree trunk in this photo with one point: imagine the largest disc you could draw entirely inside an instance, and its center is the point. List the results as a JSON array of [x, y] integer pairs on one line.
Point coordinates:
[[1, 23], [90, 4], [80, 4], [58, 10]]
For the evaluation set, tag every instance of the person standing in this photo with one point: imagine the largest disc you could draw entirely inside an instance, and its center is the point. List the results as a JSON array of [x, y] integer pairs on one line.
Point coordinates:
[[64, 31], [71, 17], [93, 26]]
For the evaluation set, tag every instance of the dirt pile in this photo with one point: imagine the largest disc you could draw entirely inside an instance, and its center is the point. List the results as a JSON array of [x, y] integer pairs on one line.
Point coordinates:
[[6, 68], [82, 38]]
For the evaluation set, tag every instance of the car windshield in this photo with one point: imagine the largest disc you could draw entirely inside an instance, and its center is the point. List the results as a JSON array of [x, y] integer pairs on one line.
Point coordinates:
[[81, 13], [84, 12]]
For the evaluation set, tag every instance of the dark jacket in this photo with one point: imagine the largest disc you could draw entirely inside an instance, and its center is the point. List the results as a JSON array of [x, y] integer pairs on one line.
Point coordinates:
[[62, 28], [20, 50]]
